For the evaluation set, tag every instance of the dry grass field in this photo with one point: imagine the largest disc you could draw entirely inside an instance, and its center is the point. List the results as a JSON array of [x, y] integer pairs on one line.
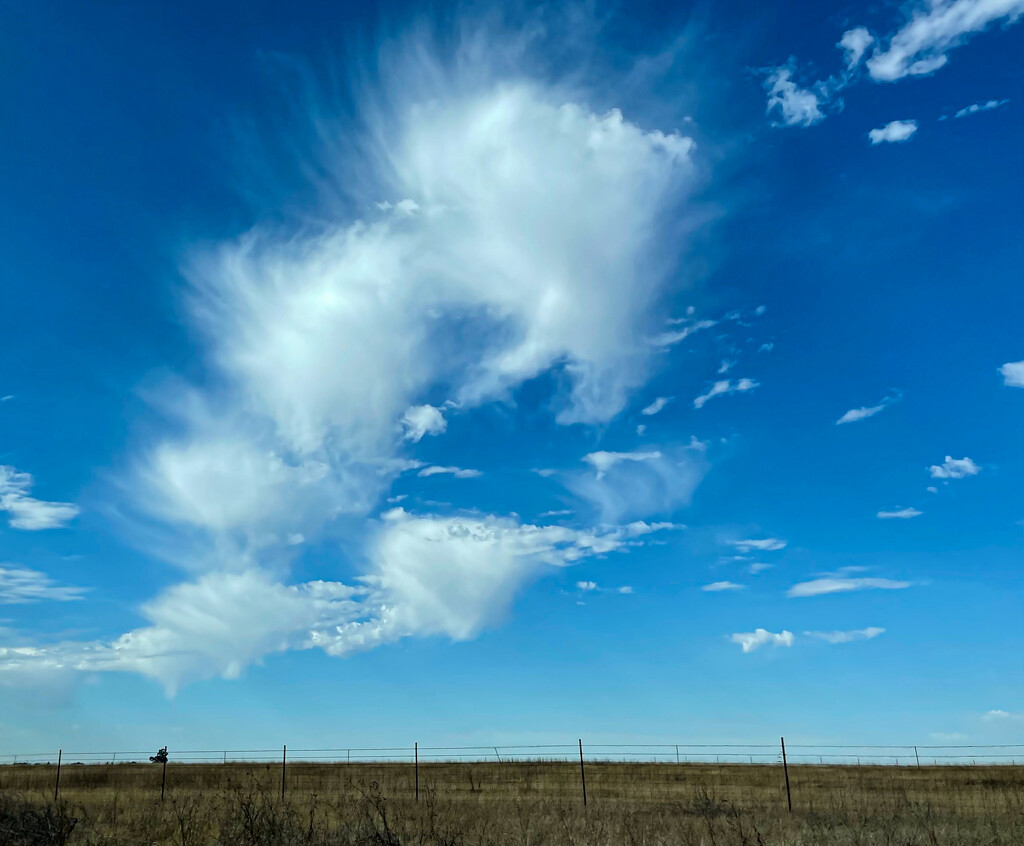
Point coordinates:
[[521, 803]]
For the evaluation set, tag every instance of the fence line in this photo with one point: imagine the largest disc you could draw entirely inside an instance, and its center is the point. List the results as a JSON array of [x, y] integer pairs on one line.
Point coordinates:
[[753, 753]]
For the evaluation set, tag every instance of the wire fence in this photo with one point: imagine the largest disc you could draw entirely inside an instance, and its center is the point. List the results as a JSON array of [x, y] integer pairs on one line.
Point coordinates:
[[664, 753]]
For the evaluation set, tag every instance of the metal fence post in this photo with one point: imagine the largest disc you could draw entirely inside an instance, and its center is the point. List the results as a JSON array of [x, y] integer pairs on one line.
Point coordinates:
[[56, 787], [163, 780], [583, 774], [284, 766], [416, 764], [917, 757], [785, 769]]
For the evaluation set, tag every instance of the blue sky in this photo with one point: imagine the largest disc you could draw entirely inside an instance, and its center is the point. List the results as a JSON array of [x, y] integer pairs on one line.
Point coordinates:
[[506, 374]]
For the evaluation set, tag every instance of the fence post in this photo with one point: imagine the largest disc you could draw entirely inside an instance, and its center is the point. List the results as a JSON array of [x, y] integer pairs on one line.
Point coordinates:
[[56, 787], [163, 780], [918, 758], [284, 766], [416, 764], [785, 769], [583, 775], [677, 754]]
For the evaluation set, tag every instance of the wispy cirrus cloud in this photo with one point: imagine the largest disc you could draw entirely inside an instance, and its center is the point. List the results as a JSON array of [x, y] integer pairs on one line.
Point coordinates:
[[457, 472], [843, 584], [758, 544], [25, 511], [723, 387], [848, 636], [21, 586], [856, 414], [899, 514], [716, 587]]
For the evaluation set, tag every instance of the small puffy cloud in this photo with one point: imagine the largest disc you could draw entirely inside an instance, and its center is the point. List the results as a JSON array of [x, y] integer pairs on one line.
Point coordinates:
[[843, 584], [586, 586], [641, 429], [758, 544], [749, 641], [758, 567], [714, 587], [602, 460], [420, 420], [855, 43], [20, 586], [934, 28], [974, 108], [954, 468], [544, 472], [856, 414], [899, 514], [726, 365], [894, 132], [793, 105], [847, 637], [625, 589], [725, 386], [656, 406], [561, 512], [1013, 374], [27, 512], [457, 472]]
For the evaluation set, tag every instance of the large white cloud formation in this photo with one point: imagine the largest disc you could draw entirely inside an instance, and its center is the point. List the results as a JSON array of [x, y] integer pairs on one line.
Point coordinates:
[[494, 227]]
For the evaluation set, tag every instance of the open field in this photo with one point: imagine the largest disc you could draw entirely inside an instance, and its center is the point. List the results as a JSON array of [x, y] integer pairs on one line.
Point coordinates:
[[520, 802]]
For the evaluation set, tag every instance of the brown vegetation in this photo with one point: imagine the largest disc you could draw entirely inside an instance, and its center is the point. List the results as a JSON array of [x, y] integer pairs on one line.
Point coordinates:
[[522, 803]]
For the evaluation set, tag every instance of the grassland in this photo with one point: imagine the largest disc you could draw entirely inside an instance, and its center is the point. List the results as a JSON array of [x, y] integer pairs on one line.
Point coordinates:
[[522, 803]]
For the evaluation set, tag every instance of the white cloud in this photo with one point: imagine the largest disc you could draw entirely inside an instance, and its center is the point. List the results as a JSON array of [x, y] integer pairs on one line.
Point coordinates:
[[725, 386], [641, 428], [639, 484], [794, 105], [899, 514], [625, 589], [603, 461], [726, 365], [918, 47], [954, 468], [974, 108], [847, 637], [842, 584], [758, 567], [1013, 374], [714, 587], [855, 43], [932, 489], [586, 586], [750, 641], [457, 472], [420, 420], [449, 576], [26, 512], [855, 414], [759, 544], [561, 512], [669, 339], [894, 132], [998, 715], [934, 28], [20, 586], [522, 233], [656, 406]]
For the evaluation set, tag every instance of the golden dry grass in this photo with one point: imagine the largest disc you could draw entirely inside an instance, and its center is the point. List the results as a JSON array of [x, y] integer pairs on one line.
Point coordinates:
[[523, 803]]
